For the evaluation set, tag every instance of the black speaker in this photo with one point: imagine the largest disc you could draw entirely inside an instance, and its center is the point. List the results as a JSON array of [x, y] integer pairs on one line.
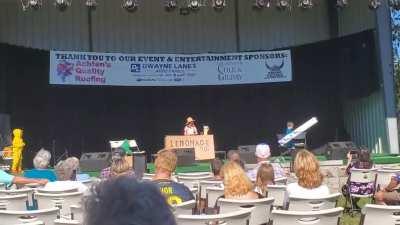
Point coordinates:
[[248, 153], [185, 156], [338, 150], [139, 164], [95, 161]]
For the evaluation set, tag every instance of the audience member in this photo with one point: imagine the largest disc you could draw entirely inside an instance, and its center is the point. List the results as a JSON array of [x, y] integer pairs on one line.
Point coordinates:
[[165, 165], [41, 162], [363, 161], [125, 201], [67, 176], [390, 194], [117, 154], [309, 184], [216, 166], [234, 156], [265, 177], [236, 184], [263, 153], [9, 179], [121, 167]]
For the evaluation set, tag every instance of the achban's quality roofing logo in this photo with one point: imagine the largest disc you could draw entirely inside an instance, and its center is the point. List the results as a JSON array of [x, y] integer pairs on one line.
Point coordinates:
[[64, 69], [275, 71]]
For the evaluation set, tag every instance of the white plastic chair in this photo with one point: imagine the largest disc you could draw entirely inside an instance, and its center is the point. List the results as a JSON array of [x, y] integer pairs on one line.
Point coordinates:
[[195, 174], [63, 201], [192, 181], [313, 204], [281, 181], [204, 184], [213, 193], [361, 176], [47, 216], [185, 208], [261, 208], [240, 217], [25, 190], [322, 217], [14, 202], [381, 214], [278, 192], [66, 222], [76, 213], [383, 177]]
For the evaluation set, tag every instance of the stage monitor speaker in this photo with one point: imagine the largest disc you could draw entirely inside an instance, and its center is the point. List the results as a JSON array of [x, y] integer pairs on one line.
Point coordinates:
[[95, 161], [185, 156], [139, 164], [338, 150], [248, 153]]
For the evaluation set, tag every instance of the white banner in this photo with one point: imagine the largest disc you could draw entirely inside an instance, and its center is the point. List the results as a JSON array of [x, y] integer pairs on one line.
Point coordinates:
[[84, 68]]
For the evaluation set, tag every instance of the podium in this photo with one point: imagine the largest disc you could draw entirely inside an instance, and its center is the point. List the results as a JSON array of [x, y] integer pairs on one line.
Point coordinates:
[[203, 145]]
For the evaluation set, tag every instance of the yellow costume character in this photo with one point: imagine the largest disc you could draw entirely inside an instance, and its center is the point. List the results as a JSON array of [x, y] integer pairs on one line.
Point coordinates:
[[18, 145]]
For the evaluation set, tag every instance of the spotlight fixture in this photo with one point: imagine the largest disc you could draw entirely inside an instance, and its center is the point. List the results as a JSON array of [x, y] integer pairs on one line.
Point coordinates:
[[395, 4], [130, 5], [306, 4], [170, 5], [219, 4], [62, 5], [194, 5], [259, 4], [342, 3], [282, 4], [374, 4], [92, 4], [31, 4]]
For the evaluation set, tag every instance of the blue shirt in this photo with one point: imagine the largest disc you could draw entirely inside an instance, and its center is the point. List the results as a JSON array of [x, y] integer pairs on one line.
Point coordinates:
[[174, 192], [6, 178], [41, 174], [290, 144]]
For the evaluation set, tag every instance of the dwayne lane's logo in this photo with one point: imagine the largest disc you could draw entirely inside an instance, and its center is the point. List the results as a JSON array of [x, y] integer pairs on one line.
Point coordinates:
[[64, 69], [228, 71], [135, 68], [275, 71]]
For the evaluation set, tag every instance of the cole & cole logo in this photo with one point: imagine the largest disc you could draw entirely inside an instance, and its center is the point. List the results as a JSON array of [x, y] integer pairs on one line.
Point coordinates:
[[64, 69], [275, 71]]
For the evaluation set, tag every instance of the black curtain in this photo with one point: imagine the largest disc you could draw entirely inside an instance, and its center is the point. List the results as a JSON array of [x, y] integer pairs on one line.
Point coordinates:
[[83, 119]]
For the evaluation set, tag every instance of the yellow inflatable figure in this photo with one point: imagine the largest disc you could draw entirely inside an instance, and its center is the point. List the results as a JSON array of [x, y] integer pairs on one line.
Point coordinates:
[[18, 145]]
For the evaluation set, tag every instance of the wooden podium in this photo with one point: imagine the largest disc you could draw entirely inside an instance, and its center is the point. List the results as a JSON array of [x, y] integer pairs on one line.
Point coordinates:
[[203, 144]]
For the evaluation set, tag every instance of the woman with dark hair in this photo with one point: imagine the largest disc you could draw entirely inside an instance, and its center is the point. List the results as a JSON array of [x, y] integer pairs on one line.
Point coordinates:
[[125, 201], [363, 161]]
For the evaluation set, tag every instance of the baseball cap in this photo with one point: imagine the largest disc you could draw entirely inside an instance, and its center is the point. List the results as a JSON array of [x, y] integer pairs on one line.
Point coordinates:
[[263, 151]]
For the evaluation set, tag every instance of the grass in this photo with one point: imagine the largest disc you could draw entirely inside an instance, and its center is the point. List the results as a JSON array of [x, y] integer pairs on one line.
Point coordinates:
[[355, 217]]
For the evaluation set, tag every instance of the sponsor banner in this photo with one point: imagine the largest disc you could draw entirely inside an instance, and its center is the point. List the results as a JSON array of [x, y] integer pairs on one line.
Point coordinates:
[[88, 68]]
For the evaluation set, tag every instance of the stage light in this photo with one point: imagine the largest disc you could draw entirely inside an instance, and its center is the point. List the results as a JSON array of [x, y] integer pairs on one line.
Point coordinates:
[[194, 5], [219, 4], [374, 4], [92, 4], [395, 4], [306, 4], [282, 4], [31, 4], [130, 5], [62, 5], [259, 4], [170, 5], [342, 3]]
